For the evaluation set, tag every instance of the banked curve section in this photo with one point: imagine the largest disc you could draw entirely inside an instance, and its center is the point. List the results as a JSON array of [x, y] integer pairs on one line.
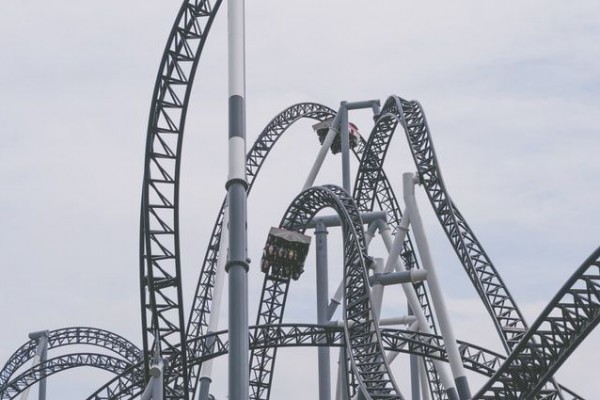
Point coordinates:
[[368, 371], [213, 345], [160, 270], [58, 364], [567, 320], [72, 336]]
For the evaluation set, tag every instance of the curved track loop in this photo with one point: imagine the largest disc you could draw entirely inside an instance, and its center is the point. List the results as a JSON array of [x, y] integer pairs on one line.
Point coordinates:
[[363, 340], [58, 364], [500, 305], [381, 191], [494, 294], [489, 285], [565, 322], [160, 278], [72, 336], [201, 307], [371, 185], [475, 358]]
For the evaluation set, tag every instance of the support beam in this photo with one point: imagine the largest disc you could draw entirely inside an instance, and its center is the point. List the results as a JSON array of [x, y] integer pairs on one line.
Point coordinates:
[[456, 365], [237, 265], [322, 314], [394, 246]]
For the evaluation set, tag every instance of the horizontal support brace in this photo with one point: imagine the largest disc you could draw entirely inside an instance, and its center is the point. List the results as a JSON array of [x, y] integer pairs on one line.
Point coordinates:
[[334, 220], [392, 278]]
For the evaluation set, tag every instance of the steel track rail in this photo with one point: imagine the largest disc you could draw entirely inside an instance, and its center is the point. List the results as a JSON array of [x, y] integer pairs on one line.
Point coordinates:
[[213, 345], [494, 294], [485, 278], [58, 364], [487, 281], [201, 307], [198, 320], [71, 336], [371, 186], [160, 269], [368, 364], [567, 320]]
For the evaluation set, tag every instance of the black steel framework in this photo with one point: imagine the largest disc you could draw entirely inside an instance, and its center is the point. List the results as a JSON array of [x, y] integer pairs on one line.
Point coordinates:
[[163, 320], [368, 370], [62, 363], [567, 320], [475, 358], [534, 353], [71, 336]]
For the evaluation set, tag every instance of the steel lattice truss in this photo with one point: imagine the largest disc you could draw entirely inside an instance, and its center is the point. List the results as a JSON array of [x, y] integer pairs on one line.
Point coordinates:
[[72, 336], [365, 352], [534, 354], [568, 319], [58, 364], [160, 269], [212, 345]]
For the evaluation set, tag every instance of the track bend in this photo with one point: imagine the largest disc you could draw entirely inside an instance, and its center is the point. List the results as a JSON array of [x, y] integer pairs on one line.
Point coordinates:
[[485, 278], [58, 364], [571, 315], [369, 372], [475, 358], [71, 336], [198, 321], [371, 186], [160, 269], [380, 190]]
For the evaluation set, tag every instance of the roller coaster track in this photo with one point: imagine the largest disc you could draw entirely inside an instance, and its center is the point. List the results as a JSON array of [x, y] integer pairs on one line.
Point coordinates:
[[58, 364], [160, 278], [198, 321], [72, 336], [369, 372], [371, 185], [475, 358], [566, 321], [201, 307], [505, 314]]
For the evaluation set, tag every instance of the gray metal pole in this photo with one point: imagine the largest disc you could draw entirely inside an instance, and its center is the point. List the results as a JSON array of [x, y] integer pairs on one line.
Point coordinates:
[[415, 384], [345, 139], [322, 308], [41, 355], [312, 175], [454, 358], [342, 380], [237, 265], [394, 247], [43, 343]]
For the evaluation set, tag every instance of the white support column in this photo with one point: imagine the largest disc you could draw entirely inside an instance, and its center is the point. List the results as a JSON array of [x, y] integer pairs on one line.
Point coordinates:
[[312, 175], [237, 184], [458, 371], [215, 311], [395, 263]]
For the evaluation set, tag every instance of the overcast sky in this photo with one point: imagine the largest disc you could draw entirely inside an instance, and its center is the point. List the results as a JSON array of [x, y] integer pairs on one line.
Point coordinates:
[[511, 93]]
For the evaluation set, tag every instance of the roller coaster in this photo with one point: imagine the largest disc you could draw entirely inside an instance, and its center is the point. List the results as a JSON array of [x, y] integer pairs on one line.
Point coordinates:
[[176, 355]]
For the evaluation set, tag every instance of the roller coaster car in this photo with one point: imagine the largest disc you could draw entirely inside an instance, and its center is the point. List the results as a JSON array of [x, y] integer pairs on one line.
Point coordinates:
[[323, 127], [284, 253]]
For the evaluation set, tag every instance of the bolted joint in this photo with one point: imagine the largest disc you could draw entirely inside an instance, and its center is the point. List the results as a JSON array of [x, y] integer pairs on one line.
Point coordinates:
[[240, 181], [240, 263], [39, 334]]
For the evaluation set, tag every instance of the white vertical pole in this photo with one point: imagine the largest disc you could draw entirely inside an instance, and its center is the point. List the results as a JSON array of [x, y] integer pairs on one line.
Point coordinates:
[[393, 247], [458, 371], [217, 296], [237, 265]]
